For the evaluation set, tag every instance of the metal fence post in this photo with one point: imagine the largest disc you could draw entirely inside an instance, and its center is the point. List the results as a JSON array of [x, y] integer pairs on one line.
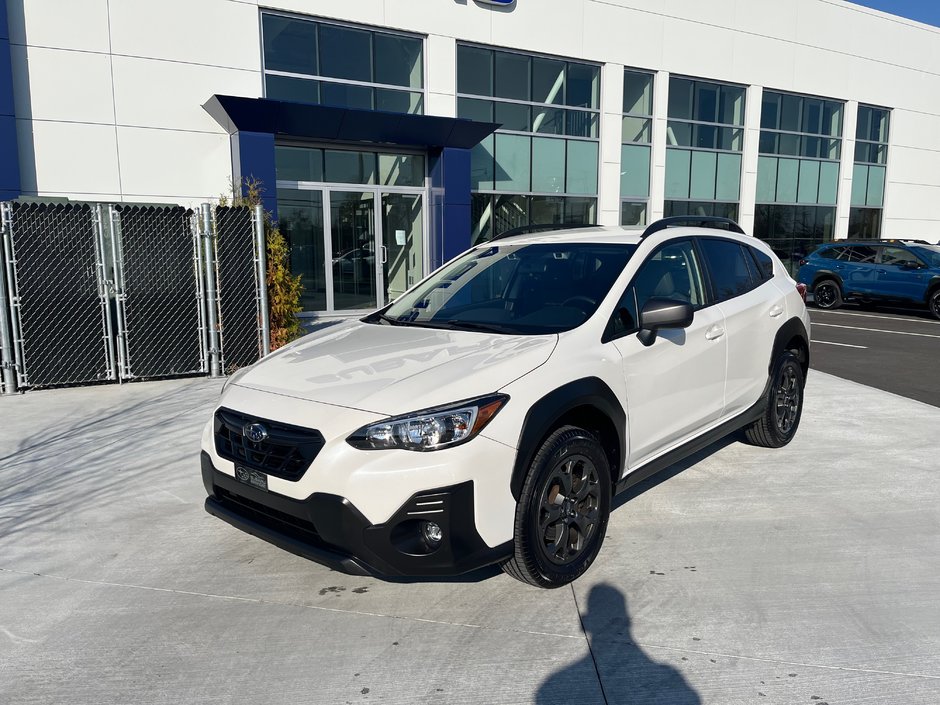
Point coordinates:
[[7, 363], [212, 303], [264, 312]]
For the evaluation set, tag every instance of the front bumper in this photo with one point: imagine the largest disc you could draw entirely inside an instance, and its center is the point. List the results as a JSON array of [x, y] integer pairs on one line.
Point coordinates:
[[328, 529]]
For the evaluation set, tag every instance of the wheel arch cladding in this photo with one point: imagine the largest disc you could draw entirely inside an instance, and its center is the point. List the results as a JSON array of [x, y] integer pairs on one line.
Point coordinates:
[[932, 286], [791, 336], [824, 274], [588, 403]]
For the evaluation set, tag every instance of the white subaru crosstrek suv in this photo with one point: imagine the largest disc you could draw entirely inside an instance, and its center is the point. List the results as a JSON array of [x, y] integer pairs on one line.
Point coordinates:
[[489, 414]]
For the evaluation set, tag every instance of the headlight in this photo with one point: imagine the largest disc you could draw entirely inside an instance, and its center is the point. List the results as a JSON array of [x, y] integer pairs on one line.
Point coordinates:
[[431, 429]]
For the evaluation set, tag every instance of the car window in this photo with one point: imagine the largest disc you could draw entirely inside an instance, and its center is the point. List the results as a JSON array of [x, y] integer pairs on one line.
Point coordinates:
[[898, 256], [727, 263], [832, 252], [931, 253], [765, 264], [862, 254]]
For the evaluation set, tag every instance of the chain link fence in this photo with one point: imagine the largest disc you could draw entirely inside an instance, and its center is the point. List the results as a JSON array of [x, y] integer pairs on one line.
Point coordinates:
[[97, 292]]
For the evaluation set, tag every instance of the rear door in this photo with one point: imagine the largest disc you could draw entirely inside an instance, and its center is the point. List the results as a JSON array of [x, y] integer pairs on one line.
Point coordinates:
[[675, 387], [858, 269]]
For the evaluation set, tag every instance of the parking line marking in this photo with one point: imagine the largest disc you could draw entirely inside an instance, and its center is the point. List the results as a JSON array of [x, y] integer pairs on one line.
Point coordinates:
[[873, 315], [877, 330], [843, 345]]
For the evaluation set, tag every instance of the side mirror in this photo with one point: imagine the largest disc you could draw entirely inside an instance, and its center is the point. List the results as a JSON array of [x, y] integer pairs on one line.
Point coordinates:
[[661, 313], [912, 265]]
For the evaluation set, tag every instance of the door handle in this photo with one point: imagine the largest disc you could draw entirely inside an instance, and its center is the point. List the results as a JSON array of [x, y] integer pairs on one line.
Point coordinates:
[[714, 333], [776, 311], [882, 271], [384, 254]]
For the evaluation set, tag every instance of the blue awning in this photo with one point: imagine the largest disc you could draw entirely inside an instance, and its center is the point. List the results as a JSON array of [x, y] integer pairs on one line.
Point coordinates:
[[322, 122]]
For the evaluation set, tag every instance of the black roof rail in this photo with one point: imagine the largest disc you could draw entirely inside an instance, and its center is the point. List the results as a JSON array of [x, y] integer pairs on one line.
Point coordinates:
[[694, 221], [538, 228]]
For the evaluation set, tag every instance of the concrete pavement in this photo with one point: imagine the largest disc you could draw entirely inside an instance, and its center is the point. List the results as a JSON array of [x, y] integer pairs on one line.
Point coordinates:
[[802, 575]]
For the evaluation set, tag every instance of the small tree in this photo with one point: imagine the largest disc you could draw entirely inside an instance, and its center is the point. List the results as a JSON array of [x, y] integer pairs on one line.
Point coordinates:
[[284, 287]]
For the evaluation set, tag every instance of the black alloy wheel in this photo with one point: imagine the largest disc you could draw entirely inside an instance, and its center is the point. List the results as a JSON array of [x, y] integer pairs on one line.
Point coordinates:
[[569, 509], [783, 405], [827, 294], [787, 399], [934, 303]]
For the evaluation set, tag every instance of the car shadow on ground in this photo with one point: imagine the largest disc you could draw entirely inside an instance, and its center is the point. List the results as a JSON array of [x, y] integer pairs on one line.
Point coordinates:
[[615, 664]]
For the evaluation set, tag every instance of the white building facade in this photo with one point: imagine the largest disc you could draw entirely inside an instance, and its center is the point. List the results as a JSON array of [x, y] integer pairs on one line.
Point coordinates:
[[389, 135]]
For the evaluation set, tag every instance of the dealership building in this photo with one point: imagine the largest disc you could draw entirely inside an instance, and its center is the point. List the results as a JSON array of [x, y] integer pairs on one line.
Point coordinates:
[[390, 135]]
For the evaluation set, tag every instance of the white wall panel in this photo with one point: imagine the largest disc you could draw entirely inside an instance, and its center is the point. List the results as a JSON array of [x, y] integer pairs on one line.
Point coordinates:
[[623, 36], [769, 63], [67, 24], [697, 50], [441, 62], [184, 165], [154, 93], [364, 11], [214, 32], [549, 26], [62, 157], [56, 84], [468, 20]]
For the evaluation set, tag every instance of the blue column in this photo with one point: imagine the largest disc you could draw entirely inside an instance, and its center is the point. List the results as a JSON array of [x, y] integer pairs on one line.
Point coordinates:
[[253, 159], [9, 154], [450, 204]]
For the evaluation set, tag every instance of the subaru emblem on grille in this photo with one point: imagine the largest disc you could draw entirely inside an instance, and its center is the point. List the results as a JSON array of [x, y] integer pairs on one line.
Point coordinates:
[[254, 432]]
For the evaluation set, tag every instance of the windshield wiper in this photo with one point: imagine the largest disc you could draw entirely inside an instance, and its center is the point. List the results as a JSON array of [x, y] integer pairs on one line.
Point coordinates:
[[387, 320], [458, 324]]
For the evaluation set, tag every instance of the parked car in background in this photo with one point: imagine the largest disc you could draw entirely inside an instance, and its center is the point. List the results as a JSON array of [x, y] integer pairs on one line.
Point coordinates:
[[489, 414], [873, 272]]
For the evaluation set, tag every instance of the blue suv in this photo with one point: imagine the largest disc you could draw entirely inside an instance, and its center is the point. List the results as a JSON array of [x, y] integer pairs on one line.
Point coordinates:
[[874, 271]]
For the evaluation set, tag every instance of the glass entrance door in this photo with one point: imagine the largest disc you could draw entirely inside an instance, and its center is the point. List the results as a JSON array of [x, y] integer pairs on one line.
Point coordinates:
[[353, 250], [401, 243]]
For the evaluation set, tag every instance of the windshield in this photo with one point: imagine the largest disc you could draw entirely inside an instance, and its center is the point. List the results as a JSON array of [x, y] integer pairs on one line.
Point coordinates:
[[516, 289], [931, 253]]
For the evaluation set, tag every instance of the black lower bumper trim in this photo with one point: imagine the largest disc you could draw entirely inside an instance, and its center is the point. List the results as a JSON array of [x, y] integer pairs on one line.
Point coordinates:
[[328, 529]]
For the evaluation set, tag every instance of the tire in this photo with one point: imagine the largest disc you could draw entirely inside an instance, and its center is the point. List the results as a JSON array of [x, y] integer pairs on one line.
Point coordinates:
[[783, 407], [827, 294], [563, 509], [933, 302]]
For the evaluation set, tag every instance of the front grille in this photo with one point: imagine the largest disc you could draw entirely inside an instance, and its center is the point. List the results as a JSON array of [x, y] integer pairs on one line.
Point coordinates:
[[286, 453], [271, 518]]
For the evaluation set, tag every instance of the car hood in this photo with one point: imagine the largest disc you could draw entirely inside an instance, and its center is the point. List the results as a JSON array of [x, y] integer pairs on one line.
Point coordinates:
[[393, 370]]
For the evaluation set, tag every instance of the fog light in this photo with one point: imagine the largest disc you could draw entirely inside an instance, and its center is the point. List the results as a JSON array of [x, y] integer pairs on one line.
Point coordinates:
[[431, 533]]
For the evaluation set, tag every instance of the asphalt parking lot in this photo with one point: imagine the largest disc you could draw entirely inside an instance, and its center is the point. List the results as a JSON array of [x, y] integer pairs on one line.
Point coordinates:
[[803, 575], [892, 349]]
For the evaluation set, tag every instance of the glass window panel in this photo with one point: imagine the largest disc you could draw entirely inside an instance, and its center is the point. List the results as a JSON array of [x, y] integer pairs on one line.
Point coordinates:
[[766, 179], [289, 44], [862, 151], [513, 116], [679, 134], [828, 182], [474, 70], [808, 189], [510, 212], [472, 109], [299, 90], [345, 95], [583, 86], [865, 223], [879, 125], [881, 154], [788, 174], [832, 150], [812, 115], [482, 165], [347, 167], [512, 163], [704, 169], [345, 53], [768, 143], [863, 126], [548, 165], [352, 230], [706, 102], [512, 76], [770, 110], [790, 113], [398, 60], [832, 119], [582, 167], [706, 136], [811, 147], [300, 219], [637, 93], [579, 123], [636, 129], [634, 170], [859, 184], [788, 145], [678, 172], [731, 139], [680, 98], [548, 121], [876, 186], [632, 214], [392, 101], [401, 170], [580, 211], [481, 217], [731, 107], [298, 163], [728, 183], [546, 210], [548, 81]]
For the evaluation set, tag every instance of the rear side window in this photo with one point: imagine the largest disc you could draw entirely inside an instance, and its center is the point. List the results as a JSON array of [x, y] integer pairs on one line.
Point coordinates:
[[765, 265], [832, 253], [862, 254], [728, 265]]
